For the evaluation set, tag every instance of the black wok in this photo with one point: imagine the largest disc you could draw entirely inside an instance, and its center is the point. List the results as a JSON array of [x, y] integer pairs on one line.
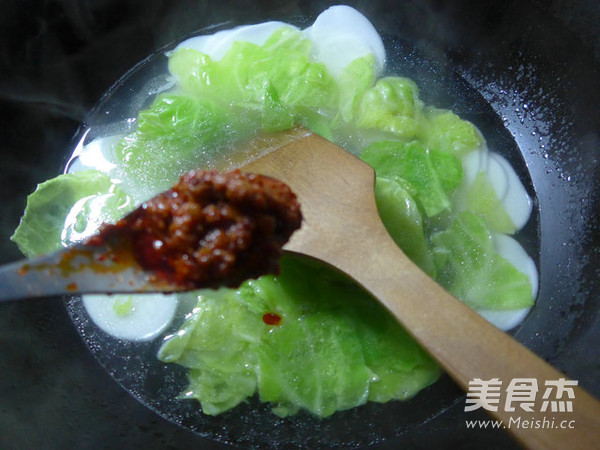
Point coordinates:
[[527, 72]]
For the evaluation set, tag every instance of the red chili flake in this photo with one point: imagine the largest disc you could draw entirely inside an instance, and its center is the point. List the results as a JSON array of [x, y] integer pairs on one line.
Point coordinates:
[[24, 269], [271, 318], [72, 287]]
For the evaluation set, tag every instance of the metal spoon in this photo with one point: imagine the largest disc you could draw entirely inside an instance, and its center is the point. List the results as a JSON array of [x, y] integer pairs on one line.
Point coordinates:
[[79, 269]]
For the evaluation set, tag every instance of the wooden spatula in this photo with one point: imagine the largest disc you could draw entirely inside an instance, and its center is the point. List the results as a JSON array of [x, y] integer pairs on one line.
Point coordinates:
[[341, 227]]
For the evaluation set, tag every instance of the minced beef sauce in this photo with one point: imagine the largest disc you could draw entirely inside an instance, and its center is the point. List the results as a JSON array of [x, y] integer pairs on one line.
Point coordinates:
[[211, 229]]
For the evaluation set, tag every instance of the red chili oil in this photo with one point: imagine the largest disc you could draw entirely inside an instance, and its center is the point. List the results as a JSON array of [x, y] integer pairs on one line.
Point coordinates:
[[271, 318]]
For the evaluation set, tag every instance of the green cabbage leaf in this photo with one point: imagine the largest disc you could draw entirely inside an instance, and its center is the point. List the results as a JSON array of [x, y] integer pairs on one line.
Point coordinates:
[[445, 131], [468, 266], [429, 175], [66, 209], [334, 348]]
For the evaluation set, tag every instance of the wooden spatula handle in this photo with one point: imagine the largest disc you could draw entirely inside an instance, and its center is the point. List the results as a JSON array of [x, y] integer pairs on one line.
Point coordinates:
[[342, 227], [469, 348]]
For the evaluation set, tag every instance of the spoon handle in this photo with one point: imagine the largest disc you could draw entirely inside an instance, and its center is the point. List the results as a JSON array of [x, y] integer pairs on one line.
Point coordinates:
[[76, 270], [469, 348]]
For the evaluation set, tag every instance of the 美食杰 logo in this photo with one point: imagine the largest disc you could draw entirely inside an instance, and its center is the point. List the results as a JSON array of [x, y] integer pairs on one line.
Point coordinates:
[[557, 395], [521, 396]]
